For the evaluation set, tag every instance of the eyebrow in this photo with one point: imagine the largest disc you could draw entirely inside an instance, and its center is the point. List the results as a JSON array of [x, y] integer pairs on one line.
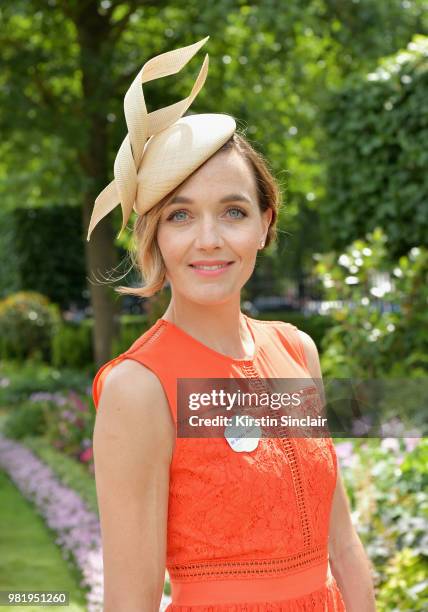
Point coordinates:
[[231, 197]]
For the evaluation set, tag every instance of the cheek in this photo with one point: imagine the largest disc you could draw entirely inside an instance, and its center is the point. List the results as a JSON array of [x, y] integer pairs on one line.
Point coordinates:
[[244, 242], [170, 247]]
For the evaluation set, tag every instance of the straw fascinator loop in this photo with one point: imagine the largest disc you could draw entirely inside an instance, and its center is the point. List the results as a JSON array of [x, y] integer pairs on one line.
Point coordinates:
[[161, 148]]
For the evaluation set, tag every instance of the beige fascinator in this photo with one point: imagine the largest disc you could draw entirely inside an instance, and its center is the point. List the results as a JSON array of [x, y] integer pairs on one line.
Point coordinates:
[[162, 148]]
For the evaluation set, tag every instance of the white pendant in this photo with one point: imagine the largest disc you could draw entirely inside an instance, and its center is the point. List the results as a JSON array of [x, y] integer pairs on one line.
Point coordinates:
[[241, 438]]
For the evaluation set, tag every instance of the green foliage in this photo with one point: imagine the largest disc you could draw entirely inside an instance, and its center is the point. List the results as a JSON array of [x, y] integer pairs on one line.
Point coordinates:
[[19, 380], [72, 345], [376, 153], [406, 587], [386, 483], [28, 418], [411, 291], [28, 322], [42, 260], [365, 342], [9, 274]]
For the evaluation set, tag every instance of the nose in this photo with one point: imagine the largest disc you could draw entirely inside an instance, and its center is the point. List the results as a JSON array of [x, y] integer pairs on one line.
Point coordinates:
[[208, 234]]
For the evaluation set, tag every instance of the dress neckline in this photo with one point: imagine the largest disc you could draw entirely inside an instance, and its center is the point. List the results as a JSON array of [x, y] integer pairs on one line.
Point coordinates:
[[213, 351]]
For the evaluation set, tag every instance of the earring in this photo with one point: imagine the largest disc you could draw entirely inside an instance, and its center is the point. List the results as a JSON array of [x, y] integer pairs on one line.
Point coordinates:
[[262, 244]]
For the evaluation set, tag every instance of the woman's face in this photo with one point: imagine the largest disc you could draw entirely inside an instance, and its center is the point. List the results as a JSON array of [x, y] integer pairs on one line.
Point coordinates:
[[213, 219]]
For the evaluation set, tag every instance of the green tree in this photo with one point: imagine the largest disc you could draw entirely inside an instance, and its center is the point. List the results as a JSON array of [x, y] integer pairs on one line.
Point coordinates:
[[376, 153], [66, 65]]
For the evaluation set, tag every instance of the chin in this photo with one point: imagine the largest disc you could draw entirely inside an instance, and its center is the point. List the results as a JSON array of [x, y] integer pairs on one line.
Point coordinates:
[[207, 297]]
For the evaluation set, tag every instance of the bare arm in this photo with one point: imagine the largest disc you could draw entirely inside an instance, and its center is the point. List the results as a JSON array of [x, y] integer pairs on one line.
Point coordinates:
[[348, 561], [133, 444]]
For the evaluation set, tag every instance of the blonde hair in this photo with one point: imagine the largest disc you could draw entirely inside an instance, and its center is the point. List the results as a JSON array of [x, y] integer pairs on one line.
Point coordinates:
[[147, 257]]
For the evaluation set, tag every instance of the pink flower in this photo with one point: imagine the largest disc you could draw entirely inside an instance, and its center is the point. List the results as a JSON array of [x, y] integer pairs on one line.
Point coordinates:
[[86, 455]]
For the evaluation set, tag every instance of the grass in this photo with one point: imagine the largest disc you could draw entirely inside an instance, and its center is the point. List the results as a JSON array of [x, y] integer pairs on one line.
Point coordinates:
[[30, 559]]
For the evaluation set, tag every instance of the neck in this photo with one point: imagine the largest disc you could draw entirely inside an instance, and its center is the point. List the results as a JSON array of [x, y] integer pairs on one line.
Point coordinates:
[[221, 327]]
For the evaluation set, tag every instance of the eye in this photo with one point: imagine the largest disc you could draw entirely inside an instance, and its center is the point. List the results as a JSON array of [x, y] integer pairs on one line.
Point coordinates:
[[172, 216], [239, 210]]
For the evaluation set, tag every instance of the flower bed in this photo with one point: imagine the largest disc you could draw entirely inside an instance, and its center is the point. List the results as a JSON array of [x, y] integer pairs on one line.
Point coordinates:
[[63, 419], [386, 480], [77, 528]]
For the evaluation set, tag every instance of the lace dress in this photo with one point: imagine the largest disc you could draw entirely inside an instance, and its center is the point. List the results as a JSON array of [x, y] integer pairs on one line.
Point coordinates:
[[247, 531]]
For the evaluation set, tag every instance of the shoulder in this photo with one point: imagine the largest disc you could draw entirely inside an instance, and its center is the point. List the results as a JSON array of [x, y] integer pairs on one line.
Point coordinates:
[[308, 343], [133, 406], [129, 379], [304, 339], [311, 352]]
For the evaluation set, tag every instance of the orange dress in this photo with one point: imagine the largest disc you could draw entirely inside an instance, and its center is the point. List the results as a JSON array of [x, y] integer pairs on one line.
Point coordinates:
[[247, 531]]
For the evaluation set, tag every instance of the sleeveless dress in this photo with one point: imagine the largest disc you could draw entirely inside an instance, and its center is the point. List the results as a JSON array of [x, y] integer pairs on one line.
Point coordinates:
[[247, 531]]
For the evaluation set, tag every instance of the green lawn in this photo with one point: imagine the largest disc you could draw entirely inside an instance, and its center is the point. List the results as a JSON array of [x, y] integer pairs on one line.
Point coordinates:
[[30, 559]]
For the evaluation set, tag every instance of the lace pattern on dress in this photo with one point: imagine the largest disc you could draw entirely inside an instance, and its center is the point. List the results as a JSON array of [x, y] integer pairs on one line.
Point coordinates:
[[251, 372], [251, 568]]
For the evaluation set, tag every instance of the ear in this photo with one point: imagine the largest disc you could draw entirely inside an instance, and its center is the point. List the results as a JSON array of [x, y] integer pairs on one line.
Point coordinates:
[[267, 218]]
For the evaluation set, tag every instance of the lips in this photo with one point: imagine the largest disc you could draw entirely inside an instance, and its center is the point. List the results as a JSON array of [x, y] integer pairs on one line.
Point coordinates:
[[214, 262], [211, 268]]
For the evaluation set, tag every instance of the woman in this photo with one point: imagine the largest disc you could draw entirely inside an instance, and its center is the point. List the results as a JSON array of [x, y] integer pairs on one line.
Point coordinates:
[[256, 529]]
